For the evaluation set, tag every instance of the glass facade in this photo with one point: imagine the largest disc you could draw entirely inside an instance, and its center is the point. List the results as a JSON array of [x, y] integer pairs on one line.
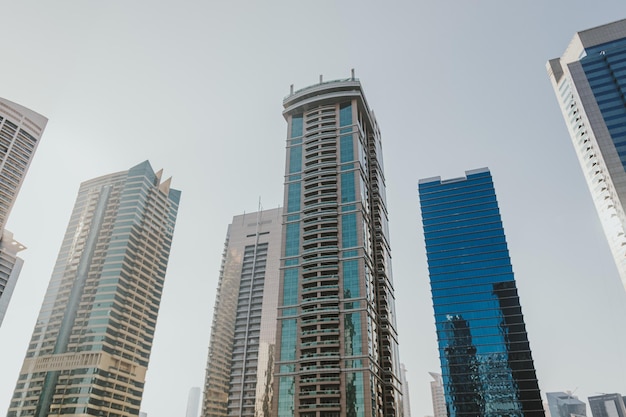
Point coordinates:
[[487, 368], [91, 344], [589, 82], [242, 345], [338, 354]]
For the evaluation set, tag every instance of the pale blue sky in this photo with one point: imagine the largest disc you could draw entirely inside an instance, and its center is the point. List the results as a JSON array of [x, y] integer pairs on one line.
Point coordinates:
[[196, 88]]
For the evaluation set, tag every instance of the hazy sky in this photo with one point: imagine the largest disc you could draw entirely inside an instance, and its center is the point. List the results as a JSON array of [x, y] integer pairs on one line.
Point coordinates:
[[197, 88]]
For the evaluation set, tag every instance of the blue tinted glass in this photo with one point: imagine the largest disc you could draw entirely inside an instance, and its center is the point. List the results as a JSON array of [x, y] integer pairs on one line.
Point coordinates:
[[355, 395], [293, 197], [348, 230], [352, 334], [286, 392], [486, 365], [350, 279], [296, 126], [288, 340], [295, 159], [346, 149], [290, 287], [345, 115], [604, 67], [347, 187], [292, 240]]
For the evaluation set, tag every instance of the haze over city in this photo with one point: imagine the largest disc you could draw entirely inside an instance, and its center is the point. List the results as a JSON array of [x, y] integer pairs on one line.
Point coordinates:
[[197, 89]]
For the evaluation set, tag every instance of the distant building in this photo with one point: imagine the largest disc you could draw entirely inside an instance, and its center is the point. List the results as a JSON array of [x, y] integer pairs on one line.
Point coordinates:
[[242, 345], [406, 402], [589, 82], [563, 404], [438, 397], [193, 402], [91, 344], [20, 132], [607, 405], [486, 362]]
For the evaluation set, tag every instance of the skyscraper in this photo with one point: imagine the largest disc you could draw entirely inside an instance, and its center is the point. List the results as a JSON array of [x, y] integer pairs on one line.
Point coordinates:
[[589, 82], [337, 347], [607, 405], [193, 402], [486, 363], [20, 131], [91, 344], [243, 335], [437, 395], [564, 404], [406, 398]]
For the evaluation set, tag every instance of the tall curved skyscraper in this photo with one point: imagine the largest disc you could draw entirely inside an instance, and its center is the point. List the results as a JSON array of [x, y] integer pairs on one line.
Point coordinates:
[[20, 132], [337, 346]]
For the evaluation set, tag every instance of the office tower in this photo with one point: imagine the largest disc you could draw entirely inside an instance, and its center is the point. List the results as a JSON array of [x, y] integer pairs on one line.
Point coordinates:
[[243, 335], [437, 395], [589, 82], [193, 402], [487, 368], [607, 405], [406, 401], [338, 350], [564, 404], [20, 131], [91, 344]]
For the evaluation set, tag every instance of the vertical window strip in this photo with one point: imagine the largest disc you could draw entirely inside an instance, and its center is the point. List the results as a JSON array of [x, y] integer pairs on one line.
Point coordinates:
[[292, 244], [296, 126], [348, 230], [293, 197], [295, 159], [348, 193], [290, 287]]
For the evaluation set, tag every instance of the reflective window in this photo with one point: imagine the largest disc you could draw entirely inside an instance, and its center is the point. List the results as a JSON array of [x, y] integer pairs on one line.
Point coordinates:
[[487, 368], [296, 126], [347, 187], [292, 241], [293, 197], [295, 159], [348, 230], [286, 390], [290, 287]]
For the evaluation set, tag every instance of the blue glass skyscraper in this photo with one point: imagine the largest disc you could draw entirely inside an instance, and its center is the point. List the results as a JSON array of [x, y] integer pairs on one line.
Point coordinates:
[[487, 367], [590, 84]]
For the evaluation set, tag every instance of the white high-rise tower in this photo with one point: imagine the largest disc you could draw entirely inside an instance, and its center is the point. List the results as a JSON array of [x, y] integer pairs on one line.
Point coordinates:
[[20, 132], [590, 84]]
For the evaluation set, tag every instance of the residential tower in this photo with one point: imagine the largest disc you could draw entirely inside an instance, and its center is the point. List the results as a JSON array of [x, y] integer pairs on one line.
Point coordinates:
[[90, 348], [337, 345]]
